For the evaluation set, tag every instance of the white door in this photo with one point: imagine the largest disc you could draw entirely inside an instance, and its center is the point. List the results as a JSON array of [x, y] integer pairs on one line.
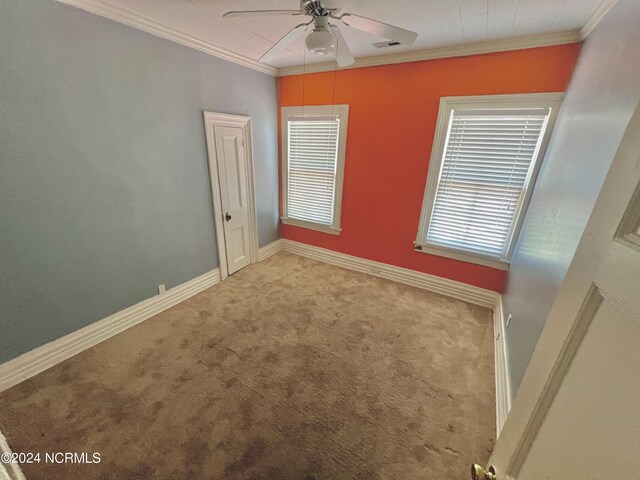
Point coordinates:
[[577, 412], [232, 174]]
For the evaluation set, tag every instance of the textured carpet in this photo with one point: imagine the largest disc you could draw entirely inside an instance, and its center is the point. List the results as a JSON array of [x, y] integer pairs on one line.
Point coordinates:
[[290, 369]]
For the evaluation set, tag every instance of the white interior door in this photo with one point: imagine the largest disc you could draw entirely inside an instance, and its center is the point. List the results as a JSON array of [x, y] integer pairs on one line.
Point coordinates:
[[232, 174], [577, 412]]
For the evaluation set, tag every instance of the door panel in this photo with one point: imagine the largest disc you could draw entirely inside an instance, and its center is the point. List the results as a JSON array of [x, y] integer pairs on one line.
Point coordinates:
[[234, 168], [233, 192], [596, 406], [577, 413]]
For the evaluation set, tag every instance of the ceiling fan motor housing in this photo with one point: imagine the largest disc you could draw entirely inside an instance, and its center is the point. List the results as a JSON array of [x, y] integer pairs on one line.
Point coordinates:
[[313, 7]]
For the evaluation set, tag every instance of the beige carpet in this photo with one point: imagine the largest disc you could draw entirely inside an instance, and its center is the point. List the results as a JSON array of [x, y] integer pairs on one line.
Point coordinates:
[[290, 369]]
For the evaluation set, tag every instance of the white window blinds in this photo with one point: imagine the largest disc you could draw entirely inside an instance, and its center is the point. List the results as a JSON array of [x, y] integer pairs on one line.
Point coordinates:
[[312, 165], [487, 163]]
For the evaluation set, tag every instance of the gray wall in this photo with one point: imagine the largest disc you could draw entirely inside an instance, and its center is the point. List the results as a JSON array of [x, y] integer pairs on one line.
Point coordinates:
[[602, 96], [104, 189]]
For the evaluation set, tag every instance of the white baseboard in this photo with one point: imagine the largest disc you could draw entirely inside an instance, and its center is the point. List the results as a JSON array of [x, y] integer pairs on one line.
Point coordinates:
[[451, 288], [503, 381], [269, 250], [31, 363], [42, 358]]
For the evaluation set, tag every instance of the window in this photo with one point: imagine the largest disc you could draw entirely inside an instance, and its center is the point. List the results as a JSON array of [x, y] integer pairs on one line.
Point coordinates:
[[485, 157], [313, 148]]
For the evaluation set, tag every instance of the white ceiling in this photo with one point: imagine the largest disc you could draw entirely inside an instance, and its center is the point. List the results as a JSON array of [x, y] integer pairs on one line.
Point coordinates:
[[439, 23]]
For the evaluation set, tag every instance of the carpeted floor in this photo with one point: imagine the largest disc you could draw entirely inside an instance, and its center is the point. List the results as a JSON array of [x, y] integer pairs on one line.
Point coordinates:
[[290, 369]]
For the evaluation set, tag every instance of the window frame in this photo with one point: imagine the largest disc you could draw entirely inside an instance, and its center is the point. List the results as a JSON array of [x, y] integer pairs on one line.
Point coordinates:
[[340, 111], [478, 102]]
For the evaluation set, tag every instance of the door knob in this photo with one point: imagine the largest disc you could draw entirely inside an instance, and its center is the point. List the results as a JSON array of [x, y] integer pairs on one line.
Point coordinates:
[[478, 473], [227, 217]]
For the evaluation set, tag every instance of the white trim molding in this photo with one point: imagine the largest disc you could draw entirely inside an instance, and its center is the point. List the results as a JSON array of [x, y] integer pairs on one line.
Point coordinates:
[[549, 102], [40, 359], [311, 226], [305, 113], [44, 357], [596, 18], [588, 310], [135, 20], [468, 257], [519, 43], [503, 379], [140, 22], [212, 120], [459, 290], [8, 471], [451, 288], [269, 250]]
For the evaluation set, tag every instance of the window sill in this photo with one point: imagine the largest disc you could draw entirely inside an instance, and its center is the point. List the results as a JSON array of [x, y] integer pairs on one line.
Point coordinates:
[[311, 226], [462, 256]]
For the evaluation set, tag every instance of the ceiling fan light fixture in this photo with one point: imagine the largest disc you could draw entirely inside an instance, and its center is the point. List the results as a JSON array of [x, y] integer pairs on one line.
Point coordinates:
[[326, 39], [321, 41]]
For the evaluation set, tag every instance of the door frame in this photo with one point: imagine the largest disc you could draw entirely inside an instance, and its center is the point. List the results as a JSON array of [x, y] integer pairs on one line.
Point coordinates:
[[211, 120], [9, 471]]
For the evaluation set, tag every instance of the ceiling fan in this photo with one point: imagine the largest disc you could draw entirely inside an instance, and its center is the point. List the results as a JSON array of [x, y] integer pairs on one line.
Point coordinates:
[[326, 37]]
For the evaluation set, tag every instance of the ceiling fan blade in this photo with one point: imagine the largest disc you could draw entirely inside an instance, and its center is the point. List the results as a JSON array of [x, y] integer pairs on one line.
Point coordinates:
[[344, 57], [246, 13], [406, 37], [281, 45]]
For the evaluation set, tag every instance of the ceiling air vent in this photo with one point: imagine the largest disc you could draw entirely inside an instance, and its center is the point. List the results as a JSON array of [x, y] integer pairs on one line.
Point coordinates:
[[389, 43]]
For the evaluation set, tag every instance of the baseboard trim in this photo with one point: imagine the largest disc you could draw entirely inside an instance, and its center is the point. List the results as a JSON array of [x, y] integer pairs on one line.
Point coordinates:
[[451, 288], [269, 250], [36, 361], [31, 363], [503, 382]]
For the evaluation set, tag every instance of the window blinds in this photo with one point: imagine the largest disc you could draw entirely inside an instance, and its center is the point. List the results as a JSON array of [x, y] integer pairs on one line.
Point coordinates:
[[313, 153], [488, 160]]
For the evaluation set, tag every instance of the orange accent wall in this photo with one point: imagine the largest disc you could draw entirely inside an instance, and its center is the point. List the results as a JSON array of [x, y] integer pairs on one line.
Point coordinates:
[[392, 117]]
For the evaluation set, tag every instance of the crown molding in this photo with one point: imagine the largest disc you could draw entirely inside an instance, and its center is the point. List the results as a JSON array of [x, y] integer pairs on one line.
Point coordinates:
[[519, 43], [597, 16], [126, 17]]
